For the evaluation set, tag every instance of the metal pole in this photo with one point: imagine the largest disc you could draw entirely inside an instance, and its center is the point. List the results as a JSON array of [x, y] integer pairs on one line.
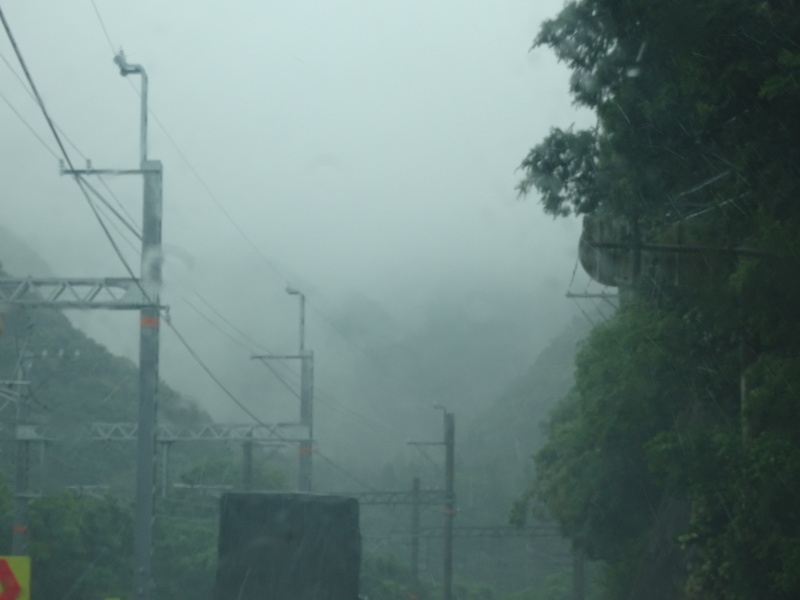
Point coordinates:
[[148, 381], [19, 543], [450, 501], [126, 69], [578, 582], [302, 322], [143, 120], [306, 418], [165, 447], [306, 398], [415, 518], [247, 463], [148, 350], [43, 467]]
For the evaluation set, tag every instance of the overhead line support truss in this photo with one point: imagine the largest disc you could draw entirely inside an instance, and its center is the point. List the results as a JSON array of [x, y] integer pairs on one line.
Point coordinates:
[[115, 293]]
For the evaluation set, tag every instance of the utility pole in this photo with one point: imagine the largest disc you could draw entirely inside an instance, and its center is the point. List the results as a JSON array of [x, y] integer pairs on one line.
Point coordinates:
[[306, 397], [149, 332], [578, 579], [121, 293], [415, 519], [165, 448], [247, 463], [306, 418], [306, 358], [25, 433], [20, 536], [450, 501], [449, 443]]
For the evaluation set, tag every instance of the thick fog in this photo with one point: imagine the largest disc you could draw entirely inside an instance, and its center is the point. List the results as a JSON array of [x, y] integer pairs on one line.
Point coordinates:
[[363, 152]]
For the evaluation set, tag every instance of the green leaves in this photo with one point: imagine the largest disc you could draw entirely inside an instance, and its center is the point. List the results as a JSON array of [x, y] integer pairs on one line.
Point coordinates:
[[563, 168], [692, 397], [81, 547]]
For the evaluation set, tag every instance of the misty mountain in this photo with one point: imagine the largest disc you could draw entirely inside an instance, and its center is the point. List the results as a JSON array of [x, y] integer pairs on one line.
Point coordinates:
[[74, 381], [460, 351], [19, 258], [498, 443]]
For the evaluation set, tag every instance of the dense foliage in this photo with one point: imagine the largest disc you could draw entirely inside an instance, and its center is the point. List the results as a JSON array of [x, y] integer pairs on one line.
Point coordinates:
[[672, 459]]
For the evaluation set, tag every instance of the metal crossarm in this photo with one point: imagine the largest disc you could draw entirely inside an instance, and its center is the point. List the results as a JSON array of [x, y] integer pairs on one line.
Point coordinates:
[[112, 432], [502, 531], [293, 433], [81, 293], [394, 498]]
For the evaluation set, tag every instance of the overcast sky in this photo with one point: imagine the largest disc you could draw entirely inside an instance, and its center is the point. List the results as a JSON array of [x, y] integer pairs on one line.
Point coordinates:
[[367, 149]]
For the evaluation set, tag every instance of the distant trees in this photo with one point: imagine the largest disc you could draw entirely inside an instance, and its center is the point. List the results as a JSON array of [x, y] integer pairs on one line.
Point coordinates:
[[672, 458]]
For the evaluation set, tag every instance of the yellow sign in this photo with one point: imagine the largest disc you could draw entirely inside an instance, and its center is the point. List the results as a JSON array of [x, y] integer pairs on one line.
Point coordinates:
[[15, 577]]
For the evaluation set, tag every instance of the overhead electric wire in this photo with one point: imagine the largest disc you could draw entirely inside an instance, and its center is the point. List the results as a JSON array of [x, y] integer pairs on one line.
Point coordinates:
[[269, 263], [103, 26], [82, 185], [79, 180], [216, 326], [29, 126], [239, 343], [352, 477], [251, 414], [211, 307], [236, 226], [92, 189], [128, 225], [69, 141], [330, 402], [213, 377]]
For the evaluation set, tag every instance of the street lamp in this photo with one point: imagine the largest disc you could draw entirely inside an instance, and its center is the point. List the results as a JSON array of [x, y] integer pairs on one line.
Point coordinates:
[[126, 69], [306, 396], [149, 337], [295, 292]]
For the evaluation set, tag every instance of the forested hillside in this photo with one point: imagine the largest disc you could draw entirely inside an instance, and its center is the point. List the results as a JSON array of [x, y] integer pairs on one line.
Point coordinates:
[[674, 459], [81, 518]]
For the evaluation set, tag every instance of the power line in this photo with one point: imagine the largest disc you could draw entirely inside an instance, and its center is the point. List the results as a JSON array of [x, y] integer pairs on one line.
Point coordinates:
[[233, 222], [269, 263], [255, 343], [51, 125], [81, 183], [29, 126], [213, 377], [103, 26], [252, 415], [128, 225], [67, 138], [344, 471], [238, 342], [216, 326]]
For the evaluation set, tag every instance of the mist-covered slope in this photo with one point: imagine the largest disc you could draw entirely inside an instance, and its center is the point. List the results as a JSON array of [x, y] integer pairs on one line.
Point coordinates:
[[498, 444], [76, 381]]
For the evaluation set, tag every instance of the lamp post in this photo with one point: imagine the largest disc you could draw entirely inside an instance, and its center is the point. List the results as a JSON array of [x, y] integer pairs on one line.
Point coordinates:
[[306, 398], [295, 292], [450, 499], [126, 69], [150, 284]]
